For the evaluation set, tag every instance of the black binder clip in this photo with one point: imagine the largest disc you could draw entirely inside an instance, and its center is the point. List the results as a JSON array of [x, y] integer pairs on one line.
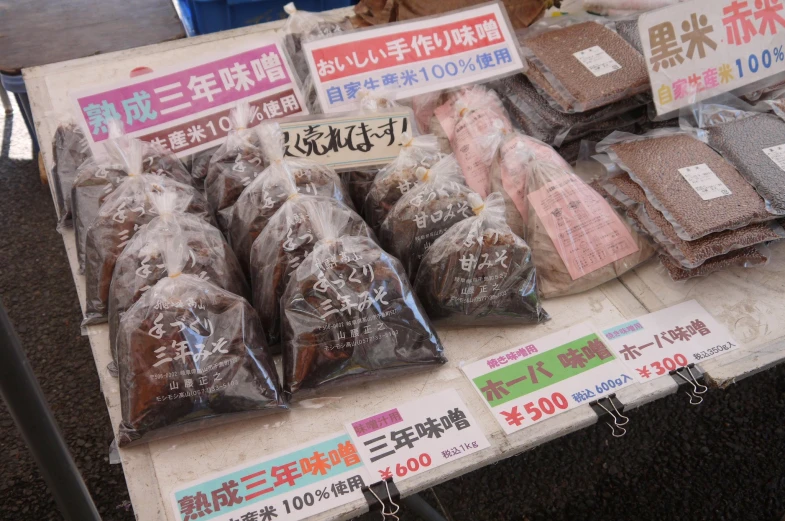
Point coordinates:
[[383, 495], [611, 407], [685, 377]]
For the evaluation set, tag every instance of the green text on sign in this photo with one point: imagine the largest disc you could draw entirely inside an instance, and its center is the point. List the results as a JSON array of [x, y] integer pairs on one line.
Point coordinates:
[[535, 373]]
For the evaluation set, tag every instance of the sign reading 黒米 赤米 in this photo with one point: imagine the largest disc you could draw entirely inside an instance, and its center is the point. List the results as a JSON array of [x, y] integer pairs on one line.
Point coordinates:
[[701, 48], [348, 141], [531, 383], [186, 109], [411, 58]]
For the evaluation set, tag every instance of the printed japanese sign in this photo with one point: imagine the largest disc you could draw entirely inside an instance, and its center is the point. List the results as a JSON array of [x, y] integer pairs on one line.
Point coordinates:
[[528, 384], [657, 343], [187, 110], [410, 58], [347, 141], [293, 485], [701, 48], [418, 436]]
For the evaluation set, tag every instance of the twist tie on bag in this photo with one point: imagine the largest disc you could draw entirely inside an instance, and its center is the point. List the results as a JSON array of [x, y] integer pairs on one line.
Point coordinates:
[[422, 174], [175, 275], [476, 203], [289, 8], [272, 140], [241, 116], [407, 139]]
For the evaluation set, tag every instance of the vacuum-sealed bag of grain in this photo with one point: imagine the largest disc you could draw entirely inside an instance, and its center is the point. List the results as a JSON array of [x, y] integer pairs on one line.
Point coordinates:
[[349, 312], [398, 177], [581, 63], [141, 263], [439, 200], [696, 189], [70, 149], [191, 355], [123, 213], [237, 162], [749, 257], [284, 178], [579, 241], [479, 273], [286, 241]]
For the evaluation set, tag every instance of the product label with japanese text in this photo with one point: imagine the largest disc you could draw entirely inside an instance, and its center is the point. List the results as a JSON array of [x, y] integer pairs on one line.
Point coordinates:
[[669, 339], [704, 181], [297, 484], [597, 61], [187, 109], [348, 141], [551, 375], [411, 58], [418, 436], [701, 48], [776, 154]]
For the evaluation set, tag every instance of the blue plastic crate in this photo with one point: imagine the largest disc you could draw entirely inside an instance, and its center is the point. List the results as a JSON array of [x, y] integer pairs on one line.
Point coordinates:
[[211, 16]]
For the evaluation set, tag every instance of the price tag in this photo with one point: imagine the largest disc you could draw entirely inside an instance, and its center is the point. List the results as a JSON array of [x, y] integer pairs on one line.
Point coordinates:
[[704, 181], [657, 343], [418, 436], [554, 374], [290, 485], [597, 61], [776, 154]]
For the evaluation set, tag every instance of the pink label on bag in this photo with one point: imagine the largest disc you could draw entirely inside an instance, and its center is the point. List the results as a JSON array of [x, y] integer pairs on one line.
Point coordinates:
[[585, 230]]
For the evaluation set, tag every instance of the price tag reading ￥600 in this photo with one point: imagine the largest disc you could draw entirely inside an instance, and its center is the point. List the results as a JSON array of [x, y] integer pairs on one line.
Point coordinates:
[[418, 436], [528, 384]]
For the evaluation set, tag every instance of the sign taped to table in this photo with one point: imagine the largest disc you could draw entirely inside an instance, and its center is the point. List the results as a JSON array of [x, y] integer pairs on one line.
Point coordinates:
[[701, 48], [666, 340], [186, 109], [527, 384], [417, 436], [295, 484], [410, 58], [348, 141]]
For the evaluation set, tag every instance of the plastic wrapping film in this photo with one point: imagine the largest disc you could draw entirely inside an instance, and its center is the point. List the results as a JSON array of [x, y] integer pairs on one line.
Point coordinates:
[[191, 355], [558, 52], [70, 149], [398, 177], [752, 141], [349, 312], [749, 257], [123, 213], [468, 116], [200, 164], [141, 264], [626, 195], [479, 273], [237, 162], [579, 241], [615, 7], [98, 177], [715, 198], [284, 178], [425, 212], [289, 237]]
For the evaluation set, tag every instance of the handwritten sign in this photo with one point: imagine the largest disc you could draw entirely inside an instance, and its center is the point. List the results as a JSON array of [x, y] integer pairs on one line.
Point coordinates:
[[551, 375], [350, 141], [698, 49], [410, 58], [658, 343], [417, 436], [292, 485], [187, 109]]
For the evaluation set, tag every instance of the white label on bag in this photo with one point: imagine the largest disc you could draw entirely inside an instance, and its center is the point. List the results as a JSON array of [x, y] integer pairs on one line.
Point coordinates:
[[704, 181], [776, 154], [597, 61]]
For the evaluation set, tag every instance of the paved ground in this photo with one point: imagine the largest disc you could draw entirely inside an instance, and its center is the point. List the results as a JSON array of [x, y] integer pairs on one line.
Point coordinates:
[[723, 460]]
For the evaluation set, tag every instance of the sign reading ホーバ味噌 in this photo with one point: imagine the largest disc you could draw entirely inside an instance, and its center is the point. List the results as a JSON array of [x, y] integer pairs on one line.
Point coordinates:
[[410, 58], [698, 49], [186, 109]]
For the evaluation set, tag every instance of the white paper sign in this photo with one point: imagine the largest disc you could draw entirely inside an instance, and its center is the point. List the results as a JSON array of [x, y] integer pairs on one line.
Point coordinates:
[[776, 154], [701, 48], [418, 436], [290, 485], [657, 343], [597, 61], [551, 375], [704, 181]]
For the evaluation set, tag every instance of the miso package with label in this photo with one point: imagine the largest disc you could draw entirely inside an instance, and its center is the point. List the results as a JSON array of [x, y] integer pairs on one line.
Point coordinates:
[[479, 273], [289, 237], [191, 355], [348, 313], [70, 149], [123, 213]]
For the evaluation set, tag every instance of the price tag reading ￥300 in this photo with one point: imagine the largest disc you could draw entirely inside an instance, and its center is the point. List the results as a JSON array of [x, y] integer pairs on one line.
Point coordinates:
[[554, 374]]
